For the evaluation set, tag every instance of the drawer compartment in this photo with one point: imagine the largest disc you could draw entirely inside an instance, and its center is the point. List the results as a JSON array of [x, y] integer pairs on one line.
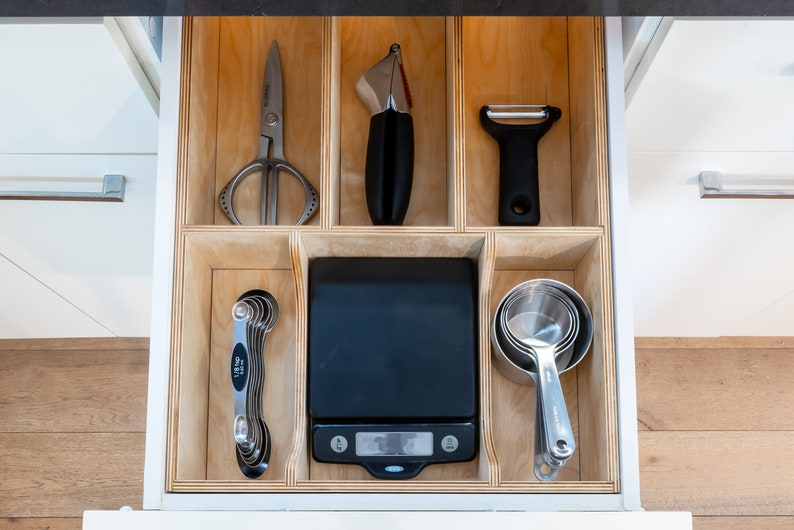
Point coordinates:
[[454, 66]]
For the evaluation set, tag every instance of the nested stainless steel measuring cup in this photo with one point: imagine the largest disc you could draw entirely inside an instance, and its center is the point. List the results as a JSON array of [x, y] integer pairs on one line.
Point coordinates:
[[543, 322]]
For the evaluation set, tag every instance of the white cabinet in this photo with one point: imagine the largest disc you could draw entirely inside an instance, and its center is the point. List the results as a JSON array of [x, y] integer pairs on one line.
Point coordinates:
[[73, 111]]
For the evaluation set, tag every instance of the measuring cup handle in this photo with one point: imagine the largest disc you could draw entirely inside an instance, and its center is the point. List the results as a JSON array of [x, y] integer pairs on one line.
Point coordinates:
[[559, 435], [543, 471]]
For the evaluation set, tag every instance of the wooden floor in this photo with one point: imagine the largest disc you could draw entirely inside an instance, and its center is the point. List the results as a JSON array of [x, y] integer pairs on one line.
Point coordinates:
[[715, 429], [72, 424]]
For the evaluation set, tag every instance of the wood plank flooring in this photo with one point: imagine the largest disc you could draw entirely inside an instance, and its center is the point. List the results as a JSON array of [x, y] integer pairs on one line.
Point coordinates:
[[72, 429], [715, 429], [41, 523]]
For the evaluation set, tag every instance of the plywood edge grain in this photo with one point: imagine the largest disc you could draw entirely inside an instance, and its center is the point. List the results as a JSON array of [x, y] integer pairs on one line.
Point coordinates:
[[331, 123], [198, 118], [456, 152], [297, 462], [489, 460]]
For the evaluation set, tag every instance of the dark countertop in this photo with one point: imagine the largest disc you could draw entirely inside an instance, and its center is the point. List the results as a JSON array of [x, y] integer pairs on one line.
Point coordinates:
[[40, 8]]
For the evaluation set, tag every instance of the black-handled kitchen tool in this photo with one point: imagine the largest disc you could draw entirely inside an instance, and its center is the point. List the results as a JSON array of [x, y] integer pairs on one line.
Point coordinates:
[[519, 194], [254, 315], [388, 175]]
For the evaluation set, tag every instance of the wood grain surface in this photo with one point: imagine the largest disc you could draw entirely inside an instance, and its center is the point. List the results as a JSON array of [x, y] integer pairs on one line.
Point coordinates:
[[718, 472], [199, 119], [41, 523], [244, 45], [742, 522], [513, 405], [515, 61], [73, 390], [73, 472], [453, 67], [715, 429], [705, 471], [729, 388], [364, 42], [72, 421], [279, 392]]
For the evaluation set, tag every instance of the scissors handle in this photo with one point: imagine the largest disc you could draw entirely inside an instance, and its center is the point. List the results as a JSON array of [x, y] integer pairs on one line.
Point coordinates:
[[270, 169]]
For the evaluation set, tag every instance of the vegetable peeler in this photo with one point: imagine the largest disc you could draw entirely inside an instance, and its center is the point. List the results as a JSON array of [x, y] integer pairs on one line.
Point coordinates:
[[519, 195]]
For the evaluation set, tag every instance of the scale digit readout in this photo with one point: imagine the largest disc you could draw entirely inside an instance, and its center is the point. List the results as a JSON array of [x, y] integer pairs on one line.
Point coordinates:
[[394, 443], [394, 451]]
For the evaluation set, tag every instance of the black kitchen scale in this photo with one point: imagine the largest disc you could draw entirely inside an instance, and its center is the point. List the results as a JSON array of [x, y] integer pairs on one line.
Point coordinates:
[[393, 348]]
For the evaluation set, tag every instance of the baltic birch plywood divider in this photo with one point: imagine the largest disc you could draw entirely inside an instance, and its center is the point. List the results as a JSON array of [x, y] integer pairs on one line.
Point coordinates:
[[453, 66]]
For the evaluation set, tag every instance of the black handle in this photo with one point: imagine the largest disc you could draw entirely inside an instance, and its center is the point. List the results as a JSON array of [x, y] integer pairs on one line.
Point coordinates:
[[390, 166], [519, 194]]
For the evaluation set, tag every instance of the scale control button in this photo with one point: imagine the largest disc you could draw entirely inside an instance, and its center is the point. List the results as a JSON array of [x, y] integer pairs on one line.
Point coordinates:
[[449, 443], [338, 444]]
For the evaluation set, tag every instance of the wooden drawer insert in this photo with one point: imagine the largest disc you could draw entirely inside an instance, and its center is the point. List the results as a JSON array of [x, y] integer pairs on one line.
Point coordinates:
[[454, 66]]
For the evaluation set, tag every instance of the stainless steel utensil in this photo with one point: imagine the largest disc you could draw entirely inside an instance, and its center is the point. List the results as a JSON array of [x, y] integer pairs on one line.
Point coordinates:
[[254, 315], [269, 164], [514, 360], [543, 324]]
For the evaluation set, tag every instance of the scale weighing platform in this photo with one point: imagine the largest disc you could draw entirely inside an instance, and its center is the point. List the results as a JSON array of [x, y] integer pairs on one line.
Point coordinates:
[[393, 349]]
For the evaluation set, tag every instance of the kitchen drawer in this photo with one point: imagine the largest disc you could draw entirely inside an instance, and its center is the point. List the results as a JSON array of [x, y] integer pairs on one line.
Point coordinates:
[[454, 66]]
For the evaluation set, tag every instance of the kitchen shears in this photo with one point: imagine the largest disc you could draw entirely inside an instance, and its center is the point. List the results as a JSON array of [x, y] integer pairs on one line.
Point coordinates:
[[270, 162]]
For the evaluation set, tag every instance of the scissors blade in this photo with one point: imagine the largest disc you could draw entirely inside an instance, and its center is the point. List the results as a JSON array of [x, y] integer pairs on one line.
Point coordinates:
[[272, 104]]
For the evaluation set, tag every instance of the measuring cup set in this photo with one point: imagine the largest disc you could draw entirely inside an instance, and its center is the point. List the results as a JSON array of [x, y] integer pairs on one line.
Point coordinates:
[[542, 328]]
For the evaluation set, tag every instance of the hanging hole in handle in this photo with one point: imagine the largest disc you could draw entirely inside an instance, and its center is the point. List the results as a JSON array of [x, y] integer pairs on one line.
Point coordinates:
[[521, 205], [562, 444]]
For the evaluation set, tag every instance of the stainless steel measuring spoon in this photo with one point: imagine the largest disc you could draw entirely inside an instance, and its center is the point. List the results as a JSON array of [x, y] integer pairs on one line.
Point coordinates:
[[254, 315]]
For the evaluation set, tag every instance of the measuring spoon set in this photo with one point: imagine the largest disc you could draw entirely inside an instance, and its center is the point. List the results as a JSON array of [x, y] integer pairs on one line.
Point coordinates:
[[254, 315]]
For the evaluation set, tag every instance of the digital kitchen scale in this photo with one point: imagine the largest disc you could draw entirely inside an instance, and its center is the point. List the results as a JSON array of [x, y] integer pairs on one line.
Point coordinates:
[[393, 379]]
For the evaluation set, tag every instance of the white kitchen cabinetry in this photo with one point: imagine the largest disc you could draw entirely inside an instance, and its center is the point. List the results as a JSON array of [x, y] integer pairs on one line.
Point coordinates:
[[73, 111]]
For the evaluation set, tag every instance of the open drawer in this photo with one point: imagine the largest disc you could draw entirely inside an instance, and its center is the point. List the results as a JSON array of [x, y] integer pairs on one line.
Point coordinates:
[[454, 66]]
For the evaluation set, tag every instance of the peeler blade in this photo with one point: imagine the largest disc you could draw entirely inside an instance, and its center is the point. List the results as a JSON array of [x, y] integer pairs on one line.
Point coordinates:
[[517, 111]]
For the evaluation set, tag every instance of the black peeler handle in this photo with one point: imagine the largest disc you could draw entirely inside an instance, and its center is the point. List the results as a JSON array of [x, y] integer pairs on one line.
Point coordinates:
[[519, 195], [390, 166]]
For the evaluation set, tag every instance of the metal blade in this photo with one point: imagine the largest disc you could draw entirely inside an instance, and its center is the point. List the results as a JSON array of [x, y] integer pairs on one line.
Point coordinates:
[[272, 105]]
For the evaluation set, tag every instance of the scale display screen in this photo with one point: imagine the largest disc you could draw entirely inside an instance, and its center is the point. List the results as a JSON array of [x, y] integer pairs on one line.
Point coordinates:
[[394, 443]]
